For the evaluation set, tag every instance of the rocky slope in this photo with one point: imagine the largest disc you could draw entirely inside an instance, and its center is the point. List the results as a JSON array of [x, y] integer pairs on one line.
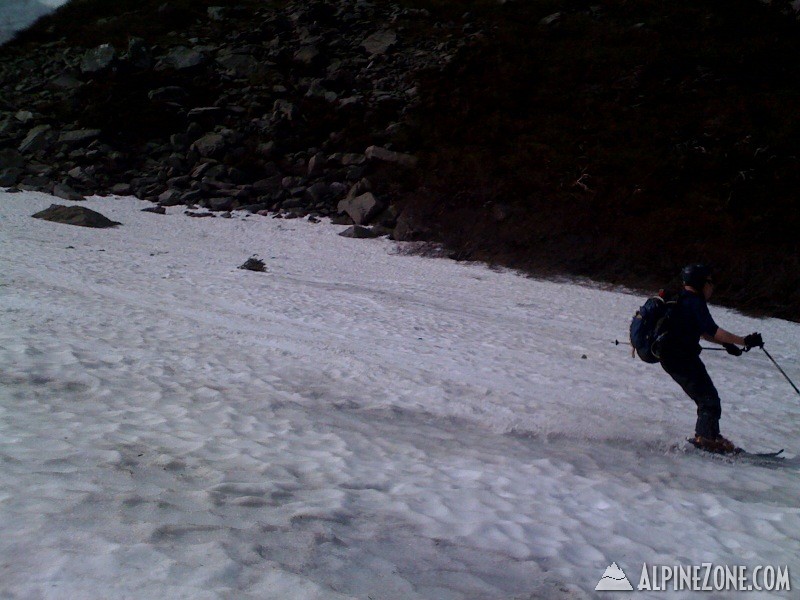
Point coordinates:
[[291, 109], [612, 140]]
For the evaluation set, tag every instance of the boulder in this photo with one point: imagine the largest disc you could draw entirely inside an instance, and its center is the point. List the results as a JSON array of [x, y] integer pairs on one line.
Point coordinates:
[[382, 154], [170, 93], [361, 208], [10, 158], [78, 137], [209, 145], [358, 232], [10, 176], [75, 215], [62, 190], [139, 54], [181, 58], [98, 59], [380, 42], [38, 138]]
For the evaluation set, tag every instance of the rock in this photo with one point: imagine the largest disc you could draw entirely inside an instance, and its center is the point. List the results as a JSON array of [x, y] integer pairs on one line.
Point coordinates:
[[361, 208], [78, 137], [240, 66], [24, 116], [307, 55], [361, 187], [550, 19], [9, 177], [98, 59], [75, 215], [316, 193], [217, 204], [210, 145], [384, 155], [121, 189], [65, 81], [406, 230], [171, 93], [139, 54], [170, 198], [254, 264], [181, 58], [62, 190], [316, 165], [159, 210], [284, 109], [380, 42], [10, 158], [38, 138], [217, 13], [358, 232]]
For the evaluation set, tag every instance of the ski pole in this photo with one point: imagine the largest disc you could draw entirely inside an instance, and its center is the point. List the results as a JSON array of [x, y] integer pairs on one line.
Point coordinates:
[[781, 370], [704, 348]]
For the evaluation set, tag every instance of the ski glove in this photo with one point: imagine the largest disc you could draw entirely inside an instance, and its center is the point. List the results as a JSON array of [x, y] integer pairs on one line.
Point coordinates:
[[732, 349], [753, 340]]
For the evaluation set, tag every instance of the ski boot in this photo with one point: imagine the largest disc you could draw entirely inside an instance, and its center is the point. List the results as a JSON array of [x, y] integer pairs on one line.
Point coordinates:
[[717, 445]]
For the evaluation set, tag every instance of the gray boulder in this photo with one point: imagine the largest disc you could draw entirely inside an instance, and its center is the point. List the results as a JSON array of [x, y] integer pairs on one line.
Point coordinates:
[[62, 190], [10, 158], [358, 232], [79, 137], [181, 58], [380, 42], [361, 208], [139, 54], [382, 154], [75, 215], [38, 138], [10, 176], [98, 59], [210, 145]]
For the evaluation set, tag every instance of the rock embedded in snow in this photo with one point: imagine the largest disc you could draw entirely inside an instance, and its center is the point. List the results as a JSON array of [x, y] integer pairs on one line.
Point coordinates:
[[75, 215], [359, 232]]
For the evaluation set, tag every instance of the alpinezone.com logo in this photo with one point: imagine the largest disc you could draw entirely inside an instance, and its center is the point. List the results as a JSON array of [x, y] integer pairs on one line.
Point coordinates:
[[706, 577]]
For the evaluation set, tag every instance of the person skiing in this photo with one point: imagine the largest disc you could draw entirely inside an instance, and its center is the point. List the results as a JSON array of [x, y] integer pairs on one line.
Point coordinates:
[[690, 320]]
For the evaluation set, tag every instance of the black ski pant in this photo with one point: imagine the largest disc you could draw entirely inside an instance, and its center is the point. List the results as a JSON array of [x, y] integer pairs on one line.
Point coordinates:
[[690, 373]]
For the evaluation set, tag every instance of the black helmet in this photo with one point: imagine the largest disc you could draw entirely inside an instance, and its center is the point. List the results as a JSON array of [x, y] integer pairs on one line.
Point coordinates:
[[695, 275]]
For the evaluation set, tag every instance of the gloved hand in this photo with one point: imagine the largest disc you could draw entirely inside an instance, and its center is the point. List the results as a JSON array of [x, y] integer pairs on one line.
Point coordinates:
[[753, 340], [732, 349]]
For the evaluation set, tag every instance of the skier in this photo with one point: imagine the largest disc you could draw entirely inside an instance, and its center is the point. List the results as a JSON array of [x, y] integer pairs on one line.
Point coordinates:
[[680, 354]]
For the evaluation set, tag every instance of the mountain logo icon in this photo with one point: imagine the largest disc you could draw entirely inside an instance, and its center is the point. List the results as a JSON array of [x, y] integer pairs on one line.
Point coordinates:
[[613, 580]]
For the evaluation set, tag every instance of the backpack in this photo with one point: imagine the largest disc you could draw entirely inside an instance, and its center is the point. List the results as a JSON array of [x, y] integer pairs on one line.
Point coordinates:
[[650, 326]]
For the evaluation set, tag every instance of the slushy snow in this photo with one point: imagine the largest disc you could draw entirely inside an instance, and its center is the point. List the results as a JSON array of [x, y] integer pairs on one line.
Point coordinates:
[[355, 422]]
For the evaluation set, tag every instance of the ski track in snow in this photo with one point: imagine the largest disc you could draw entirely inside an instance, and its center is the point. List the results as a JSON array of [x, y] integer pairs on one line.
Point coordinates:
[[354, 423]]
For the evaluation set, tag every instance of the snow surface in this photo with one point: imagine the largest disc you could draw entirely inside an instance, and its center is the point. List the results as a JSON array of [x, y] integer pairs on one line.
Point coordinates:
[[353, 423], [16, 15]]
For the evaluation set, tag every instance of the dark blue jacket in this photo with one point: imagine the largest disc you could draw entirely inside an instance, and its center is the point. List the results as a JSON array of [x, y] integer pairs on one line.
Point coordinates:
[[688, 322]]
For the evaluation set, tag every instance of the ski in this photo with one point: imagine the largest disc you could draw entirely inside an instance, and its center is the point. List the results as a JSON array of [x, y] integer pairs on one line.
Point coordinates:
[[776, 454], [740, 452]]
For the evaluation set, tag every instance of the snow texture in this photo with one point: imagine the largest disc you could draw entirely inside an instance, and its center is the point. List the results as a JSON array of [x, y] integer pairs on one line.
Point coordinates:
[[352, 423], [16, 15]]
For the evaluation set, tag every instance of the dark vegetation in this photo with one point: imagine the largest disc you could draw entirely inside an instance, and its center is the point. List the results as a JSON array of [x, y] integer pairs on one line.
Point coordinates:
[[615, 140]]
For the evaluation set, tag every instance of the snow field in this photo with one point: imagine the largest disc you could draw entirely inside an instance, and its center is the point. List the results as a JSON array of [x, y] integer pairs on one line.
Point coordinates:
[[354, 423]]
